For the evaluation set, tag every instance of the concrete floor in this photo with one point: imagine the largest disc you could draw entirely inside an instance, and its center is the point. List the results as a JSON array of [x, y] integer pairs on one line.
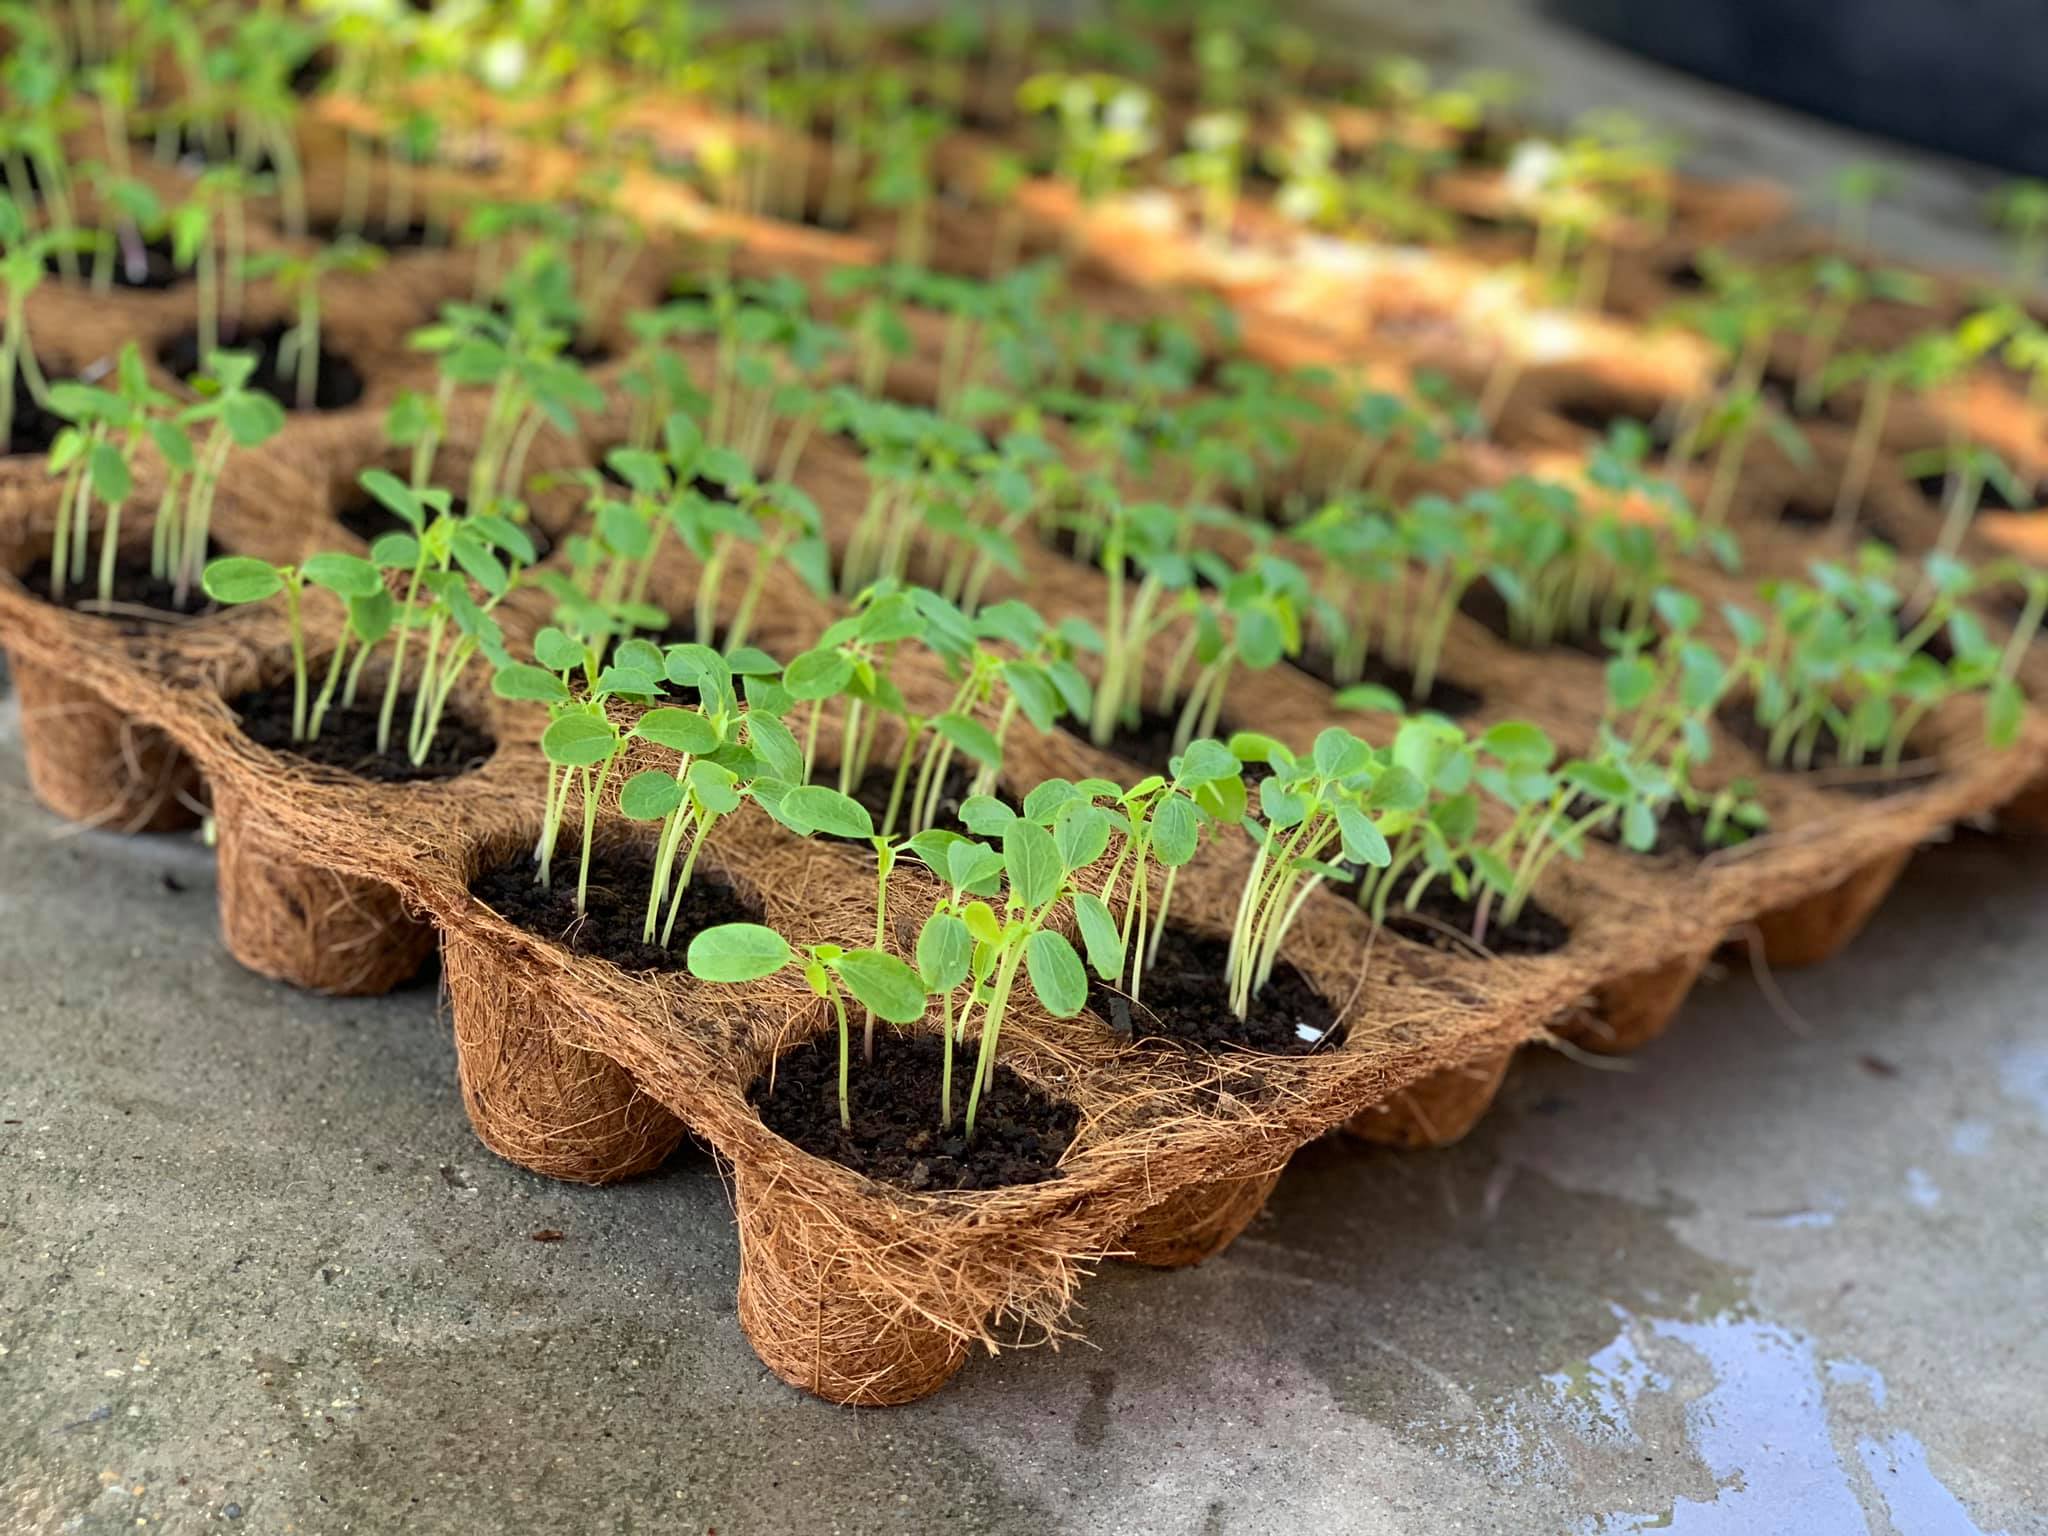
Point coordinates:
[[1781, 1273]]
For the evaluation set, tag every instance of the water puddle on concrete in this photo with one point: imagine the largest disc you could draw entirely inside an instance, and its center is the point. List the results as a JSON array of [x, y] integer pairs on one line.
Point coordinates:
[[1769, 1427]]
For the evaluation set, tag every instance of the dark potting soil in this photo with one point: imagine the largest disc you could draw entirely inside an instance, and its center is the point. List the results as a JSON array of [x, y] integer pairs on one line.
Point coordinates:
[[1680, 830], [141, 265], [200, 147], [1989, 497], [31, 429], [1819, 517], [1065, 541], [348, 735], [1445, 697], [1868, 780], [615, 905], [873, 792], [1445, 922], [369, 519], [337, 385], [1020, 1133], [1484, 606], [1184, 1002], [385, 236], [140, 599], [1601, 416], [1149, 743]]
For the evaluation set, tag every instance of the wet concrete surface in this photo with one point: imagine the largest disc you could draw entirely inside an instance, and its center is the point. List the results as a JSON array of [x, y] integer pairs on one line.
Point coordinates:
[[1780, 1272]]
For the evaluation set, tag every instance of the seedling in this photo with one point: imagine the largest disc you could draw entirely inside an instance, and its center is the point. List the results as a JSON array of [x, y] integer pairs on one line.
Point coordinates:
[[299, 278], [235, 580], [883, 984]]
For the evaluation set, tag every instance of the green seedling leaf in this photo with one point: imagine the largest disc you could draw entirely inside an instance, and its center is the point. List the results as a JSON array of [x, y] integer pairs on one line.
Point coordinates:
[[680, 730], [522, 680], [556, 651], [1177, 828], [737, 952], [883, 984], [345, 575], [971, 737], [236, 579], [650, 795], [715, 786], [1082, 834], [1032, 860], [815, 808], [945, 950], [1056, 973], [1099, 935], [578, 741]]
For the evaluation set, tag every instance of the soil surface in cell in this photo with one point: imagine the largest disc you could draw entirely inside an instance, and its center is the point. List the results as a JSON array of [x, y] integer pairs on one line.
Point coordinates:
[[1818, 517], [1990, 498], [1484, 606], [1020, 1134], [194, 145], [31, 429], [1867, 779], [1149, 743], [953, 791], [142, 265], [139, 599], [1448, 923], [369, 519], [337, 384], [378, 232], [1445, 697], [1680, 830], [348, 734], [1184, 1001], [615, 907]]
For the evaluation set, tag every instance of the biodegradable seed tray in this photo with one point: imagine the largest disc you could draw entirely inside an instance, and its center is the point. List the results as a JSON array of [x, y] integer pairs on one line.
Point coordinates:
[[858, 1290]]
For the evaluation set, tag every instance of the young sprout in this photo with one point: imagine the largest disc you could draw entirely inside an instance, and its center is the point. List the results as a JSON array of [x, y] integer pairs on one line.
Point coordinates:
[[1854, 191], [219, 266], [531, 385], [1656, 731], [1212, 165], [1304, 158], [1921, 366], [235, 580], [1327, 803], [883, 984], [1841, 286], [1102, 125], [1826, 666], [22, 261], [299, 279], [1043, 849], [438, 559], [1965, 469], [1162, 819], [96, 455], [228, 415]]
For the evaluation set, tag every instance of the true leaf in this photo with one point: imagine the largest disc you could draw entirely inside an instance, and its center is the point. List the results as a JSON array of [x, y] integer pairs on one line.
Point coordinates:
[[1032, 860]]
